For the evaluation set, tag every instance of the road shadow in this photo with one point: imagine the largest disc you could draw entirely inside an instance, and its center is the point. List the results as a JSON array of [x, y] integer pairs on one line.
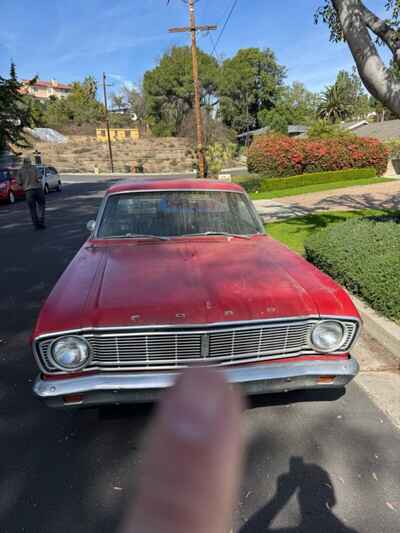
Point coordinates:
[[293, 397], [316, 497]]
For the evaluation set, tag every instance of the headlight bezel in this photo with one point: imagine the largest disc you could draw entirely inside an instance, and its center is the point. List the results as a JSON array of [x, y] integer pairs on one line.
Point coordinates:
[[75, 369], [335, 348]]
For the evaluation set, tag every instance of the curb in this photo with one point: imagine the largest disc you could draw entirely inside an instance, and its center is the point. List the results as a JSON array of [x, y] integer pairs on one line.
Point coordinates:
[[148, 174], [122, 174], [386, 332]]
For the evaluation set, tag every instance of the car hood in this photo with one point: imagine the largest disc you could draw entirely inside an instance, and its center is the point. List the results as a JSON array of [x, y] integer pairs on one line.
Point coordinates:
[[197, 281]]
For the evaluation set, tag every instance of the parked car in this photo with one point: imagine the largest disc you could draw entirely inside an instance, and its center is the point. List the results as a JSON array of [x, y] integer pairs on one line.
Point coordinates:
[[10, 191], [51, 180], [178, 273]]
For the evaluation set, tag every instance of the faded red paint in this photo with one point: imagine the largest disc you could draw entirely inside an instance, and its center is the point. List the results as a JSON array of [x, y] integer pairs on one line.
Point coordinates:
[[194, 280]]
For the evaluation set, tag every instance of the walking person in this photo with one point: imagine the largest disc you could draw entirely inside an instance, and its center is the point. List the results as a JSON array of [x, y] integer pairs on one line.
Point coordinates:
[[28, 178]]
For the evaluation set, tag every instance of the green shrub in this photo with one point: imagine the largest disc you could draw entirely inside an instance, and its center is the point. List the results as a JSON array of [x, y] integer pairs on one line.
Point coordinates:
[[394, 148], [279, 184], [277, 155], [363, 255], [218, 154], [321, 129]]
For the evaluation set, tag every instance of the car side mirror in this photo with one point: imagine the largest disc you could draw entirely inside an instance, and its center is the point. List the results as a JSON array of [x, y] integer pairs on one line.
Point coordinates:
[[91, 226]]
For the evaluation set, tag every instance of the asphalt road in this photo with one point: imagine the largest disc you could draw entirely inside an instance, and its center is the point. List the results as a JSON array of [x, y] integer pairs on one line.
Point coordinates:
[[315, 463]]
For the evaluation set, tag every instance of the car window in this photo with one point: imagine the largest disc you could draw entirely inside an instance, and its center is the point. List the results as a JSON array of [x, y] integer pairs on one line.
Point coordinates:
[[178, 213], [51, 171], [4, 175]]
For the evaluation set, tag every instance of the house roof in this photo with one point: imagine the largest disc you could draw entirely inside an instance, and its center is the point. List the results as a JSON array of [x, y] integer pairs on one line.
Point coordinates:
[[384, 131], [293, 128], [353, 125], [260, 131], [297, 128], [49, 84]]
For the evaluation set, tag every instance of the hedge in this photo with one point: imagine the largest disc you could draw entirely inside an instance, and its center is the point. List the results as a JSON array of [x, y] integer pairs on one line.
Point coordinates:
[[277, 155], [363, 255], [278, 184]]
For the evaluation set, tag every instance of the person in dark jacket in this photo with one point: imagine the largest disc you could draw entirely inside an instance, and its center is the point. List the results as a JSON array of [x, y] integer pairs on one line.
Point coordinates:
[[28, 178]]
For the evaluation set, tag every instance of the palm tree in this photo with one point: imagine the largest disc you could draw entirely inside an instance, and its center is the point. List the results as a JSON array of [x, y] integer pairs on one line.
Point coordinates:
[[334, 106]]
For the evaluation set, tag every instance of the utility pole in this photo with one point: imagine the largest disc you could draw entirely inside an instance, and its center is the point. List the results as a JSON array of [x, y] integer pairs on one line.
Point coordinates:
[[108, 123], [201, 155]]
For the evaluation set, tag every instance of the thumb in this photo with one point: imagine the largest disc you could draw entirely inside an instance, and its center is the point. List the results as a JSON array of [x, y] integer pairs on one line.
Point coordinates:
[[190, 474]]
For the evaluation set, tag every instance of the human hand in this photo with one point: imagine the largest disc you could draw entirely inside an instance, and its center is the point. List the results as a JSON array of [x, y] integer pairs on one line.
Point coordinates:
[[190, 474]]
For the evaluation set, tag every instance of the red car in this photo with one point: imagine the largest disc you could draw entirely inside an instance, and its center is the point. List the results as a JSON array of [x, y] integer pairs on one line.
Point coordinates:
[[179, 273], [9, 189]]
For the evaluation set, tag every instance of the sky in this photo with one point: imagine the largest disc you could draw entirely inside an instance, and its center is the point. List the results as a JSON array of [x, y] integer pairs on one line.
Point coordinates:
[[70, 39]]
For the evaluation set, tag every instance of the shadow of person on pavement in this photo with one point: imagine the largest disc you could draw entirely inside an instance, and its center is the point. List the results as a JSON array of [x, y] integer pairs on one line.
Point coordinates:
[[316, 498]]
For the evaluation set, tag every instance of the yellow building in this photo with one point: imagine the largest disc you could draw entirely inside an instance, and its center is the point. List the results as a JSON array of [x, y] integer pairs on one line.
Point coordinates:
[[118, 134]]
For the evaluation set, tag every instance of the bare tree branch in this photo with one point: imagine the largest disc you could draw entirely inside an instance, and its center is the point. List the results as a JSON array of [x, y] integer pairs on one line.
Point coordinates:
[[377, 78], [383, 30]]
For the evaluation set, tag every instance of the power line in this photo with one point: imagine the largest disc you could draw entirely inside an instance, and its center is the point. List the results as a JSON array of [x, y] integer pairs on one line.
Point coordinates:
[[228, 18]]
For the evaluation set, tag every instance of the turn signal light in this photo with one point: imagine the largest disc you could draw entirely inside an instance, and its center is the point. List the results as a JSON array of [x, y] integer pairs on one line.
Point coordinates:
[[326, 380], [73, 399]]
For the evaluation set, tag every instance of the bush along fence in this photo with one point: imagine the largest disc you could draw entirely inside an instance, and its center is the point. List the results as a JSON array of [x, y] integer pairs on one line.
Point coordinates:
[[277, 155], [363, 255], [291, 182]]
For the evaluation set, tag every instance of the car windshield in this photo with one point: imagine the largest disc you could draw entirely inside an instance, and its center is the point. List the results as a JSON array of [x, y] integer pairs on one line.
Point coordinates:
[[4, 175], [165, 214]]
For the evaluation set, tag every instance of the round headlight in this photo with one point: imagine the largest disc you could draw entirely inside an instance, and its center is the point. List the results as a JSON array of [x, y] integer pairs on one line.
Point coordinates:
[[70, 353], [327, 336]]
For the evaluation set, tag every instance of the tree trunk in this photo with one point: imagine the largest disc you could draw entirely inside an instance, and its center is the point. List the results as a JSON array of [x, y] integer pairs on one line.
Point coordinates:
[[377, 78]]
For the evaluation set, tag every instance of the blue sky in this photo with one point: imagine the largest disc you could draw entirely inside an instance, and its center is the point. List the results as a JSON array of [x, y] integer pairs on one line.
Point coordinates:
[[70, 39]]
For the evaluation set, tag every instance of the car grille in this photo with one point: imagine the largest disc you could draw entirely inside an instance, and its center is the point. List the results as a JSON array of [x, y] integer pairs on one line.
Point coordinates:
[[220, 345]]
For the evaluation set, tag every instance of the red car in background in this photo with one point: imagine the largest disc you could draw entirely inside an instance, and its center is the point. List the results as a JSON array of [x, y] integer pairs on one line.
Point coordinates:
[[10, 191]]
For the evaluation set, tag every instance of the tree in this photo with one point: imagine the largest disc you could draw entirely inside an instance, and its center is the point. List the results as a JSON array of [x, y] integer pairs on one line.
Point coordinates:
[[321, 129], [168, 89], [79, 108], [334, 106], [355, 98], [250, 82], [345, 99], [132, 102], [353, 22], [15, 111], [295, 105]]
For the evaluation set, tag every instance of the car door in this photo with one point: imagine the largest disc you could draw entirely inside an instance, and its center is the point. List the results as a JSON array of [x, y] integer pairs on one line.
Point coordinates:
[[42, 175], [52, 177], [18, 189]]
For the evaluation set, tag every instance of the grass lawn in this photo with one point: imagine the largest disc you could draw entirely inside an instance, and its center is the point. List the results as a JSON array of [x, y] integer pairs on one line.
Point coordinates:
[[319, 187], [294, 231]]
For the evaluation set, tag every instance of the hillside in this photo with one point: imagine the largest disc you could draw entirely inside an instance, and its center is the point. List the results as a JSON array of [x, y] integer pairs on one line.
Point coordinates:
[[84, 154]]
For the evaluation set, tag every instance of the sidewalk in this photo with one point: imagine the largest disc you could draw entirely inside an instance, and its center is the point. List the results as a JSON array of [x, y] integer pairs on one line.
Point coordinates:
[[378, 196]]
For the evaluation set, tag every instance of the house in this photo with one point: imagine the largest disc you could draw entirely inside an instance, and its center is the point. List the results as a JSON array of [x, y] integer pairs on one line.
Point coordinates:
[[43, 90], [294, 130], [384, 131]]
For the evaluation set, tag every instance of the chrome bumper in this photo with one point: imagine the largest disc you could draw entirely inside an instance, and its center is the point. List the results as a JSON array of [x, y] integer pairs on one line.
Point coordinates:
[[117, 388]]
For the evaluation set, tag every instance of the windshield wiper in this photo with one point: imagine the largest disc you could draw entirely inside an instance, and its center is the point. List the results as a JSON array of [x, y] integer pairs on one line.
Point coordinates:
[[223, 233], [139, 236]]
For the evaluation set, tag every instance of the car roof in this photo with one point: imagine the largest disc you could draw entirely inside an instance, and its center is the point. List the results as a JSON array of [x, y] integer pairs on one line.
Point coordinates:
[[173, 184]]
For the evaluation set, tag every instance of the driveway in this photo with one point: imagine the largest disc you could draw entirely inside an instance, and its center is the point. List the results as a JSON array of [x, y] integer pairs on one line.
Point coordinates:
[[377, 196], [315, 462]]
